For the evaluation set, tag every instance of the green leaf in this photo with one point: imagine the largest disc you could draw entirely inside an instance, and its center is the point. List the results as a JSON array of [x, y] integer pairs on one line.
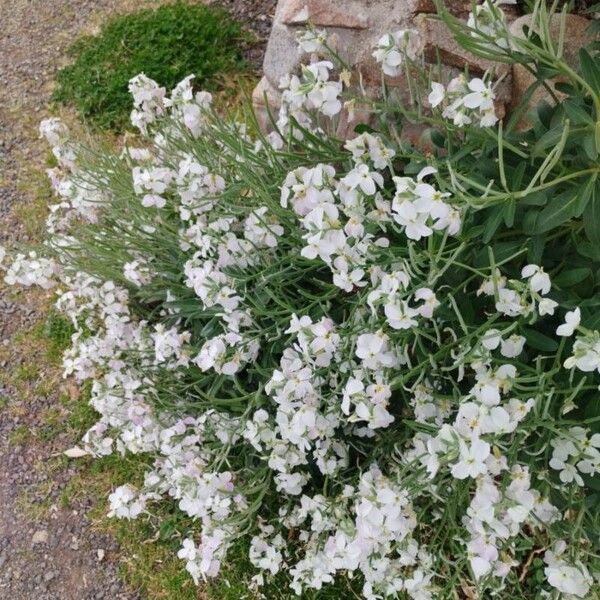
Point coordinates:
[[509, 212], [363, 128], [566, 88], [593, 28], [562, 208], [591, 321], [589, 250], [589, 146], [492, 222], [166, 530], [577, 114], [535, 199], [517, 176], [544, 73], [590, 70], [529, 220], [585, 195], [535, 250], [437, 138], [504, 250], [539, 341], [571, 277], [544, 112], [591, 217], [548, 140]]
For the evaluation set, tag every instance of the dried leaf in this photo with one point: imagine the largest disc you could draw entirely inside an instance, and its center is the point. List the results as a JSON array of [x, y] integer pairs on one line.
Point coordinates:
[[75, 452]]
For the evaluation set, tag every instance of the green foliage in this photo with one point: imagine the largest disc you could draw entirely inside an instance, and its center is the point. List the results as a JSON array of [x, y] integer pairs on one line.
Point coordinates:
[[549, 196], [528, 196], [58, 331], [166, 44], [234, 582]]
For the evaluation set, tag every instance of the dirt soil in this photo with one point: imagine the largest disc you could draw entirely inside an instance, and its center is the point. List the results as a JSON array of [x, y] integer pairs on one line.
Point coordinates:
[[49, 550]]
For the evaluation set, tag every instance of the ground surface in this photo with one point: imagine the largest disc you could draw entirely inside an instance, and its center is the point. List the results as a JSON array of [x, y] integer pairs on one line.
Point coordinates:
[[49, 547]]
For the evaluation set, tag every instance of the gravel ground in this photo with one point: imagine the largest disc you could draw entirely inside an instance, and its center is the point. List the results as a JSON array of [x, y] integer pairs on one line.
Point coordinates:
[[258, 16], [48, 552]]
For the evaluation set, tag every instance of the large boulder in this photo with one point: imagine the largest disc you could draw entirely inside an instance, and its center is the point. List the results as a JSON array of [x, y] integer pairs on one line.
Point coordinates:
[[576, 35], [354, 27]]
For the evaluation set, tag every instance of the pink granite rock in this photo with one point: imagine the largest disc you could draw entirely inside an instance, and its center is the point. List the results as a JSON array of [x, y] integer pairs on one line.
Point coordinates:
[[322, 13]]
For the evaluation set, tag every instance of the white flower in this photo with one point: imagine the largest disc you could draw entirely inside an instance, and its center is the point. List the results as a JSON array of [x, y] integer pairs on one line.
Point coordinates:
[[125, 503], [390, 49], [312, 40], [366, 180], [490, 21], [372, 349], [437, 94], [430, 302], [388, 54], [212, 354], [152, 180], [586, 354], [481, 96], [431, 201], [451, 222], [513, 346], [148, 100], [261, 229], [498, 421], [547, 307], [399, 315], [491, 339], [511, 303], [472, 459], [204, 560], [488, 118], [568, 579], [291, 483], [467, 101], [406, 214], [266, 556], [568, 472], [482, 554], [32, 270], [539, 281], [316, 91], [488, 287], [572, 320], [137, 272]]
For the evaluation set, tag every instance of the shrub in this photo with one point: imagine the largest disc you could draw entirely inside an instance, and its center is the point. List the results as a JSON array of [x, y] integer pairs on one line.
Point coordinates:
[[166, 44], [362, 364]]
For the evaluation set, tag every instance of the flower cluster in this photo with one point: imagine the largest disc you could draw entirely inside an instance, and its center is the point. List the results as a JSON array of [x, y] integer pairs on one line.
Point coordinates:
[[314, 91], [572, 580], [576, 453], [316, 351], [489, 21], [148, 101], [393, 47], [31, 270], [465, 102]]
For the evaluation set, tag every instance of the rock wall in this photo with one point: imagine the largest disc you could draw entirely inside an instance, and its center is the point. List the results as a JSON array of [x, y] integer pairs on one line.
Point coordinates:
[[355, 26]]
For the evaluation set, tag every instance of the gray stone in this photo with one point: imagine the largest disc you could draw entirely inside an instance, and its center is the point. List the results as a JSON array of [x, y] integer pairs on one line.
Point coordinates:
[[353, 28], [40, 537], [323, 13], [575, 37]]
